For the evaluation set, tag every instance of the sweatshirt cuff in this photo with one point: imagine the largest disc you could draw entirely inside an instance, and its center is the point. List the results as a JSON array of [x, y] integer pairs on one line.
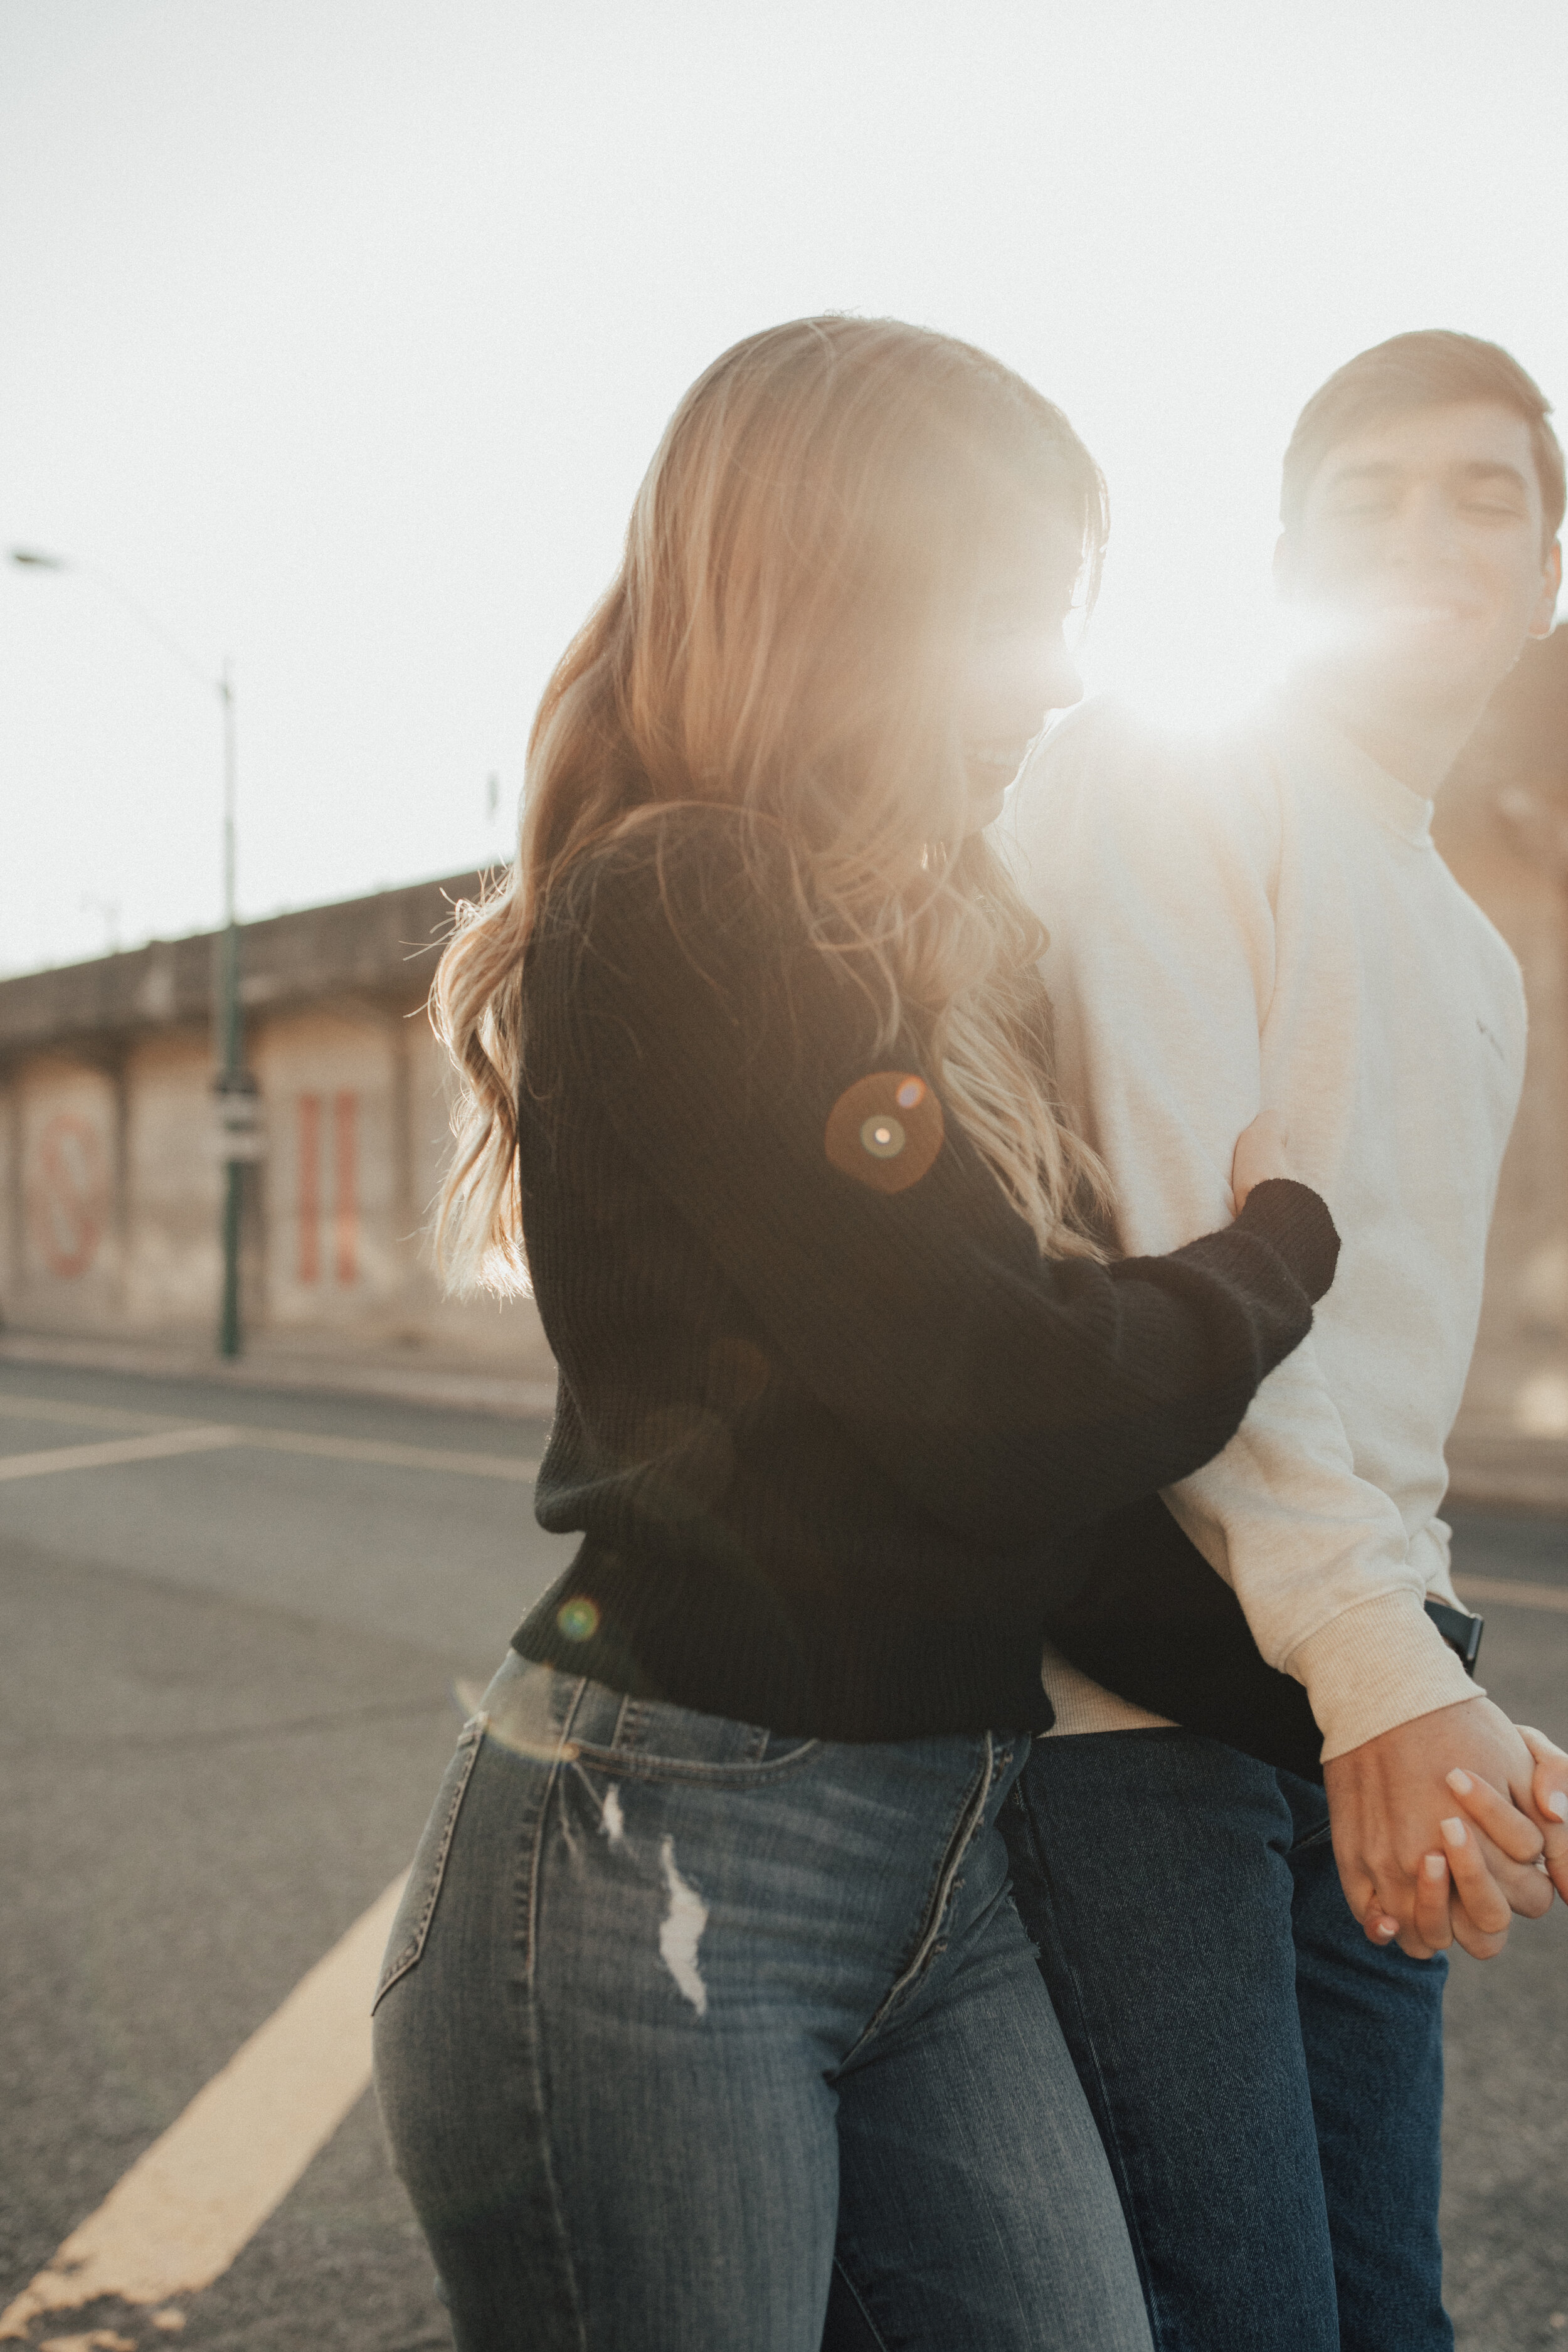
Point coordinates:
[[1295, 1220], [1380, 1664]]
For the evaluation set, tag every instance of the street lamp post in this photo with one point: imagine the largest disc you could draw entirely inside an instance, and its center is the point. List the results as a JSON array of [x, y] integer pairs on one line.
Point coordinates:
[[239, 1130], [240, 1139]]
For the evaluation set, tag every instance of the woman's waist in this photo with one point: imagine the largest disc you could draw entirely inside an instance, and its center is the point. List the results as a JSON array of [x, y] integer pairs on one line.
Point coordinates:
[[835, 1654]]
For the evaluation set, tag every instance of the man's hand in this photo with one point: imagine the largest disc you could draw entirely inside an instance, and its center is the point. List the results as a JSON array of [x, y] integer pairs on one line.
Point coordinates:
[[1406, 1875]]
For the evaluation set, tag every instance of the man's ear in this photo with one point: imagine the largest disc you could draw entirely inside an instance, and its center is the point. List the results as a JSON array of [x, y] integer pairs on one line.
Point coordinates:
[[1545, 613]]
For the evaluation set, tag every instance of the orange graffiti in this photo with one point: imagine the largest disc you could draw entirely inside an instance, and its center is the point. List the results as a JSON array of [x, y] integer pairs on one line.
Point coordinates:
[[68, 1196]]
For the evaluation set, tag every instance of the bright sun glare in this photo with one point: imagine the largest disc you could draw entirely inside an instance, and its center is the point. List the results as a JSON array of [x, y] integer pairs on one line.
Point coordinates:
[[367, 411]]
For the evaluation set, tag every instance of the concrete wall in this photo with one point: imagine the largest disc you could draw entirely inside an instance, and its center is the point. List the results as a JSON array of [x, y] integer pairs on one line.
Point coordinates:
[[68, 1132], [110, 1186]]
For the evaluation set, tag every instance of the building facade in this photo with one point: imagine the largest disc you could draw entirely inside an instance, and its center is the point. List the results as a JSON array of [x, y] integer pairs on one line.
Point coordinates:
[[111, 1179]]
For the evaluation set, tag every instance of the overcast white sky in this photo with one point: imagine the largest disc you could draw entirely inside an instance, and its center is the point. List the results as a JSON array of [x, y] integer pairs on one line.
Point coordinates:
[[339, 333]]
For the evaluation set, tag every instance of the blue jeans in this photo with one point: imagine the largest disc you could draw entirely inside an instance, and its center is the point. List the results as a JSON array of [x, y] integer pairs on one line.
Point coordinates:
[[1268, 2087], [673, 2005]]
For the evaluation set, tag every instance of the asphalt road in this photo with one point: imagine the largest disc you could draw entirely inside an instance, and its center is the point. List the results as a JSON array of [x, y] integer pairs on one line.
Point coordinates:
[[226, 1696]]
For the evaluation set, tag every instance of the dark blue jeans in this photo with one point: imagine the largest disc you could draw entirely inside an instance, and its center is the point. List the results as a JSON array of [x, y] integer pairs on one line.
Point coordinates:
[[671, 2004], [1268, 2087]]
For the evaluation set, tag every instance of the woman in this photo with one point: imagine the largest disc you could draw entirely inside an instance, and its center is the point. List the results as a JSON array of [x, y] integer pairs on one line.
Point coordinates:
[[708, 1952]]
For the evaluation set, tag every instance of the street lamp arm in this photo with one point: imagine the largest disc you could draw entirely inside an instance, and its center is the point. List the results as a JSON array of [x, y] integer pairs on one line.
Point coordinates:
[[36, 559]]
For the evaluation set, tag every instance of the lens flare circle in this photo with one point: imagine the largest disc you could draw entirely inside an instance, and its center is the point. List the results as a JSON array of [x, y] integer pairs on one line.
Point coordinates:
[[885, 1131], [883, 1138]]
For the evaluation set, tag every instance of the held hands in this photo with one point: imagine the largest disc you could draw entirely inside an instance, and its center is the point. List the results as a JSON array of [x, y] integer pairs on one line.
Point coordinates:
[[1446, 1825], [1260, 1153]]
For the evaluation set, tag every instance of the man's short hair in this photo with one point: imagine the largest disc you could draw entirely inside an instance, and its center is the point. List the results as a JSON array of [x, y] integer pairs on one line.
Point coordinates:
[[1432, 369]]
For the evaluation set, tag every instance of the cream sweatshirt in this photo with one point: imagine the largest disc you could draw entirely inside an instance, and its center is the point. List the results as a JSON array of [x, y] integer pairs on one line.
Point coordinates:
[[1264, 920]]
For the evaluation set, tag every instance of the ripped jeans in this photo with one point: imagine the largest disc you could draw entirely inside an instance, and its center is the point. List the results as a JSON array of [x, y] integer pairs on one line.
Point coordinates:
[[695, 2039]]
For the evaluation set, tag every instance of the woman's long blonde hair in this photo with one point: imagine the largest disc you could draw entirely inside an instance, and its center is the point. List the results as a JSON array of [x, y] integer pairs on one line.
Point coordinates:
[[801, 574]]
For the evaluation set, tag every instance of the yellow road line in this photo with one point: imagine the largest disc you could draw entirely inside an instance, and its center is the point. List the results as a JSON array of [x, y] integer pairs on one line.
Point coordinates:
[[191, 2201], [394, 1457], [1512, 1593], [203, 1438]]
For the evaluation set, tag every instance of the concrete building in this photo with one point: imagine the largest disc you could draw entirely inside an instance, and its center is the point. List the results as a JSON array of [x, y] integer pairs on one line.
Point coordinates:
[[110, 1179], [110, 1183]]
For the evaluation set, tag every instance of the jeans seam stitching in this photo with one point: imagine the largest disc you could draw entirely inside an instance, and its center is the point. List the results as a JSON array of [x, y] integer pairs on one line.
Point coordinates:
[[623, 1765], [859, 2303], [531, 1936], [552, 1788], [971, 1814], [1116, 2155], [414, 1947]]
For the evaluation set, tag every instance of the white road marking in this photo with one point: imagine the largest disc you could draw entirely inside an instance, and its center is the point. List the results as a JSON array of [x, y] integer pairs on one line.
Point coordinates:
[[203, 1438], [88, 1416], [1511, 1592], [193, 2200], [186, 1437]]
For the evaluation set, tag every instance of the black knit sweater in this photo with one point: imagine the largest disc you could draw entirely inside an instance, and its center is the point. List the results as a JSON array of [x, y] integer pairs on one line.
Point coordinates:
[[837, 1440]]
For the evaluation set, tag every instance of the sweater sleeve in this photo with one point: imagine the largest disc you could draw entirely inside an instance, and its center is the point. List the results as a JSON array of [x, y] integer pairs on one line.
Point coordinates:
[[1157, 886], [1007, 1395]]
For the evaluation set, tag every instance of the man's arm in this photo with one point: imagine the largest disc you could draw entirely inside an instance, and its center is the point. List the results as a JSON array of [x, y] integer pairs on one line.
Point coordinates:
[[1158, 887]]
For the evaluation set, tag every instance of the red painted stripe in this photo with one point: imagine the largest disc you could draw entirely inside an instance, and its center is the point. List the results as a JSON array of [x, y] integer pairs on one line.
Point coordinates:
[[309, 1188], [345, 1188]]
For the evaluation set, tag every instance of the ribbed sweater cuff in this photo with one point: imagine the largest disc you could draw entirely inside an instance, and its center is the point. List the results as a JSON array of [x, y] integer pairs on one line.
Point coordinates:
[[1295, 1220], [1380, 1664]]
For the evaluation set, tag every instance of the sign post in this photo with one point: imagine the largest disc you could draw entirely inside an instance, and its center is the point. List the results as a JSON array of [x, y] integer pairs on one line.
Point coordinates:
[[238, 1111]]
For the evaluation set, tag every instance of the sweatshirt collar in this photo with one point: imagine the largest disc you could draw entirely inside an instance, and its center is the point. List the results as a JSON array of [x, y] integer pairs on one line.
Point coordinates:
[[1317, 753]]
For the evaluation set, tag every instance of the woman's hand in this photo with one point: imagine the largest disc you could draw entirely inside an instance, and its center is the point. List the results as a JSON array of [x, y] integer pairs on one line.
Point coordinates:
[[1546, 1805], [1548, 1793], [1260, 1153]]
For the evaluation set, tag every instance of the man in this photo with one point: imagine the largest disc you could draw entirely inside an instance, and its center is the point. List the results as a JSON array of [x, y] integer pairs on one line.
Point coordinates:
[[1265, 922]]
